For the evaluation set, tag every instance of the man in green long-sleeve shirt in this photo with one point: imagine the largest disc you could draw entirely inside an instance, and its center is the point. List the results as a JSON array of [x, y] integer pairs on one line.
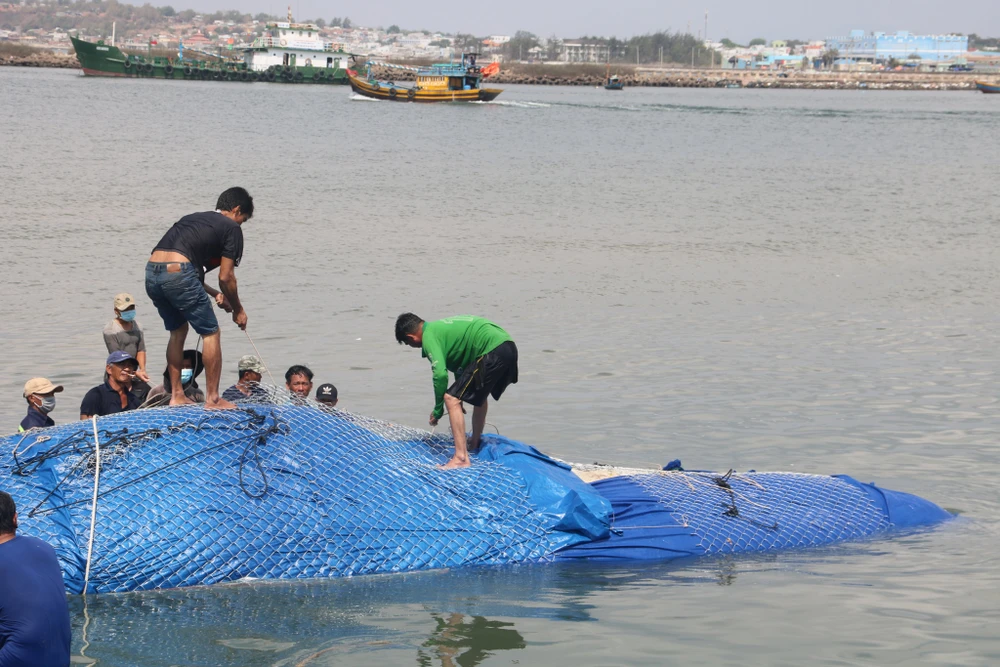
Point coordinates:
[[480, 354]]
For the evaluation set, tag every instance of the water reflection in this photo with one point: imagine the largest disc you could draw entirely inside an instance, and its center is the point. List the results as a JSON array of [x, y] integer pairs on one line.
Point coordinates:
[[447, 618], [466, 641]]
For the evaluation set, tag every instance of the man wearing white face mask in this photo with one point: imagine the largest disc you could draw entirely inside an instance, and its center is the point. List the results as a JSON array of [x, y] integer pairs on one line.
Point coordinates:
[[41, 397], [125, 334]]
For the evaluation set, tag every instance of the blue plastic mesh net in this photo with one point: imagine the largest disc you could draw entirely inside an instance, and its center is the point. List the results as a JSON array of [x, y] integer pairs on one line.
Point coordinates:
[[190, 497], [765, 511], [284, 488]]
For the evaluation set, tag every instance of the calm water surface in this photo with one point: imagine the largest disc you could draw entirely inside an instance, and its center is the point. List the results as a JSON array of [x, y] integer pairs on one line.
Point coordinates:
[[777, 280]]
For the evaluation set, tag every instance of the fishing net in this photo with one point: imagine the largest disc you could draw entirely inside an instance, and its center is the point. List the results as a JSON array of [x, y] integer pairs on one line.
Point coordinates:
[[765, 511], [279, 488], [283, 487]]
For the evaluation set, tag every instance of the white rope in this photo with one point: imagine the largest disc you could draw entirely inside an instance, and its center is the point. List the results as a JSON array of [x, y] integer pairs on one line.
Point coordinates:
[[93, 509], [266, 368]]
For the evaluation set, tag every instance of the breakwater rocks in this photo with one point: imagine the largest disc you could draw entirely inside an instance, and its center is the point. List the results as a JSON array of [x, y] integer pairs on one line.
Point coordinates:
[[543, 75], [40, 59], [775, 80]]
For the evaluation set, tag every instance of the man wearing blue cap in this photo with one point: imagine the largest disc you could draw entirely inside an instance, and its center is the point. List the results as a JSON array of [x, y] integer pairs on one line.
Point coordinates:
[[115, 395]]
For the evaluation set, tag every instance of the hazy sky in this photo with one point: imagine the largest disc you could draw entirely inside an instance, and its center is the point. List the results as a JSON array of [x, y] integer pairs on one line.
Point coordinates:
[[740, 20]]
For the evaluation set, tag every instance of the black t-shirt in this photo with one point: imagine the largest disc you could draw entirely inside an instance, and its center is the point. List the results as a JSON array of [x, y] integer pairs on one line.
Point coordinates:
[[103, 400], [205, 238]]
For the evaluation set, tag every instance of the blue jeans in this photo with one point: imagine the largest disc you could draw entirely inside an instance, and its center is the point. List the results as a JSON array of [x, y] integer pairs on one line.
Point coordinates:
[[180, 296]]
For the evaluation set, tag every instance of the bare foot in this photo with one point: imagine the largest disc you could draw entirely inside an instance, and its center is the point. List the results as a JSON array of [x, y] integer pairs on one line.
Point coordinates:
[[183, 400], [219, 404], [474, 446], [455, 462]]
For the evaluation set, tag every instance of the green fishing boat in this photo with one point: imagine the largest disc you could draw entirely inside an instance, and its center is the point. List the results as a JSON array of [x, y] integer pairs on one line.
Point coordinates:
[[289, 53]]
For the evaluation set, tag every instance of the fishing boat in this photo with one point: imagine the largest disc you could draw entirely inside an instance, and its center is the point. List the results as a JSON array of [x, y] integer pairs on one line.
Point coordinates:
[[289, 53], [443, 82], [613, 81], [988, 87]]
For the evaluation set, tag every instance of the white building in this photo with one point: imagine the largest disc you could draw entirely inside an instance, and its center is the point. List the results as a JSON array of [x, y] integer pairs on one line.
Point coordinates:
[[584, 51]]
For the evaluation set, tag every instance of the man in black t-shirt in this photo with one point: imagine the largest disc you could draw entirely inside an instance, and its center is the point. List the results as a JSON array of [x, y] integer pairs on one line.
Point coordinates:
[[175, 281]]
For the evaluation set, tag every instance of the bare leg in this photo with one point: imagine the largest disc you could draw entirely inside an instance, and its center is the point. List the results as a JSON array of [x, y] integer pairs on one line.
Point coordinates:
[[478, 423], [175, 357], [457, 418], [212, 358]]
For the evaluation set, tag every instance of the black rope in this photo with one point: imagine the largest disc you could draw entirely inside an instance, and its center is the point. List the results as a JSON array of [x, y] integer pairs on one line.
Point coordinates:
[[256, 439], [731, 509]]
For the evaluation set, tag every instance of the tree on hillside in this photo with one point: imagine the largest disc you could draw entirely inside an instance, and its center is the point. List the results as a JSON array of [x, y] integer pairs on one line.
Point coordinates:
[[320, 22], [554, 48], [519, 45], [729, 44], [466, 42], [346, 23], [167, 11], [393, 29], [336, 22], [758, 41]]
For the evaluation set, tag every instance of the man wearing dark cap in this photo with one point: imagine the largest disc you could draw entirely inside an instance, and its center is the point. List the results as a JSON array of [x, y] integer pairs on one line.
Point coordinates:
[[34, 616], [41, 397], [115, 395], [251, 371], [175, 282], [327, 395]]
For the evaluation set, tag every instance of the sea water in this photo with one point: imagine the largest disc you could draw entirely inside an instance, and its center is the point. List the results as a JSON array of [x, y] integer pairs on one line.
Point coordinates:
[[776, 280]]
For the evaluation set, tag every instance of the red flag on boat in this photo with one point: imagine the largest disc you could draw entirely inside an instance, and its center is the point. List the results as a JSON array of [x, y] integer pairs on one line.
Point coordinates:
[[352, 72], [491, 69]]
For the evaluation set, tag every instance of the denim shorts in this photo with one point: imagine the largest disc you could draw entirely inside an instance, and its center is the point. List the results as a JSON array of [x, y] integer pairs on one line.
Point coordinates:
[[180, 297]]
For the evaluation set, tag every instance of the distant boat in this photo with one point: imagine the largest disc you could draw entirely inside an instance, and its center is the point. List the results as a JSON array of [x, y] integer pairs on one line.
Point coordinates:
[[288, 53], [443, 82], [613, 81], [987, 87]]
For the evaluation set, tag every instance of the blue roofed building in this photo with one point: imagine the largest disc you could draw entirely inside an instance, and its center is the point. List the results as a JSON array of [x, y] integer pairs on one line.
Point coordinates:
[[880, 46]]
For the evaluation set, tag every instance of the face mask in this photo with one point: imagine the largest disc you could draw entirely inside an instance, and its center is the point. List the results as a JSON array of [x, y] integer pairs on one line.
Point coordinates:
[[186, 375], [127, 316], [48, 404]]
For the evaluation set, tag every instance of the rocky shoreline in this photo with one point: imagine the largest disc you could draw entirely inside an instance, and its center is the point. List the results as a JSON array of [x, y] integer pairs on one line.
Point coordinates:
[[647, 77], [41, 59], [722, 78]]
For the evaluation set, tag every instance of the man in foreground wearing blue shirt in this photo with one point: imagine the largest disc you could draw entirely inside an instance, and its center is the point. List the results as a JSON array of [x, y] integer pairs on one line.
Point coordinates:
[[34, 617]]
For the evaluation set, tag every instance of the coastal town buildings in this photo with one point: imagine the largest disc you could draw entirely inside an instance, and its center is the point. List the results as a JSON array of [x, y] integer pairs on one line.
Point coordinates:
[[878, 47]]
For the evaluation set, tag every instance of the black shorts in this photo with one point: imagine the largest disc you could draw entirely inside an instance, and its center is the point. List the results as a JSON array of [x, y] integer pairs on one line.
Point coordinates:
[[490, 375]]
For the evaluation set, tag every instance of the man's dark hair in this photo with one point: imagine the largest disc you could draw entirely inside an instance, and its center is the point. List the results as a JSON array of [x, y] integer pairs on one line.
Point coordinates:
[[298, 370], [407, 323], [234, 197], [7, 511]]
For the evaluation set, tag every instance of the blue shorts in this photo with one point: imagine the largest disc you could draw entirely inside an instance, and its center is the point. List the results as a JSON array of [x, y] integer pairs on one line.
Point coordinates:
[[180, 297]]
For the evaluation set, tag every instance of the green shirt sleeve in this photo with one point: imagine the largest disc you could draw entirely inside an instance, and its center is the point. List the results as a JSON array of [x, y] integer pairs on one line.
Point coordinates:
[[439, 372]]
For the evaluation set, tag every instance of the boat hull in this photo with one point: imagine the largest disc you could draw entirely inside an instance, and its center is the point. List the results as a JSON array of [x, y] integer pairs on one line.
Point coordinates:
[[988, 88], [395, 93], [109, 61]]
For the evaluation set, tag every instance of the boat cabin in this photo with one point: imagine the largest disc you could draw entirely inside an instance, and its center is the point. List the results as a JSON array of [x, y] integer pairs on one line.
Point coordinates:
[[466, 75], [291, 44]]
